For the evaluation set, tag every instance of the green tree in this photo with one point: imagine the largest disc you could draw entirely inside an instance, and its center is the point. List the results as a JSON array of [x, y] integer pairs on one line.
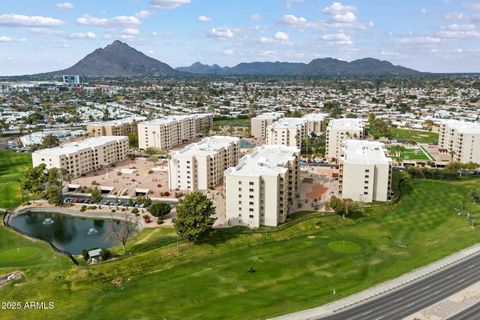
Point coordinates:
[[96, 195], [35, 179], [152, 151], [49, 141], [194, 216], [160, 209], [54, 195], [133, 140], [153, 159]]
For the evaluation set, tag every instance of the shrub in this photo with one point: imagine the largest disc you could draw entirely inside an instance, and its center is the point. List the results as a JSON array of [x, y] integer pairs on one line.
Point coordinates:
[[85, 254], [160, 209], [159, 185], [166, 193], [83, 208], [135, 210], [105, 254], [150, 171], [113, 211], [159, 221], [146, 216], [119, 173]]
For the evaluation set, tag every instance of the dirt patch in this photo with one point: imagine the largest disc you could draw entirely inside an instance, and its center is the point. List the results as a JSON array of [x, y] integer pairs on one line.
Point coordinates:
[[318, 192]]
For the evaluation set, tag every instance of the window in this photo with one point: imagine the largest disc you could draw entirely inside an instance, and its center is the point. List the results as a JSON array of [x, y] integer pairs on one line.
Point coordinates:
[[239, 189], [239, 182], [251, 190], [251, 203], [251, 183], [251, 216], [239, 208], [251, 209]]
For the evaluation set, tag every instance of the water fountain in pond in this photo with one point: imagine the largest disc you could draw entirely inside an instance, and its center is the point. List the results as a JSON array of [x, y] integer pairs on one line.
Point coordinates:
[[92, 231], [47, 221]]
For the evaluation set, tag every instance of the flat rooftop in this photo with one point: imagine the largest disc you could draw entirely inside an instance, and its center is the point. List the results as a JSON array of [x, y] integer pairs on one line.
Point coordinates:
[[73, 147], [364, 152], [118, 121], [269, 115], [463, 126], [266, 160], [172, 119], [346, 124], [291, 123], [206, 146], [315, 116]]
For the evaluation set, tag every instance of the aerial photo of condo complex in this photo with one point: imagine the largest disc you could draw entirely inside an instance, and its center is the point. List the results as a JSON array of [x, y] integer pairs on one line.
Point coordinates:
[[320, 162]]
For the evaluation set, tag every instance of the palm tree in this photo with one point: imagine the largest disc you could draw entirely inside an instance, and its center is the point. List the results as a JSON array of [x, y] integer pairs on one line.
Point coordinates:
[[452, 154]]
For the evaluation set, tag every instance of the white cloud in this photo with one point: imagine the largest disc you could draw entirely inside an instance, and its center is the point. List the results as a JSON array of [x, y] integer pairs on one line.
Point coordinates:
[[420, 40], [423, 11], [222, 33], [82, 35], [281, 36], [108, 22], [338, 38], [204, 19], [5, 39], [168, 4], [290, 3], [346, 17], [454, 16], [64, 6], [299, 23], [338, 8], [143, 14], [17, 20], [255, 17], [278, 37], [130, 31], [228, 52]]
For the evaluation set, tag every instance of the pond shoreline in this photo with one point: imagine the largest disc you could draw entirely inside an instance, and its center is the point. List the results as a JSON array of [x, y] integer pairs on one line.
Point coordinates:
[[74, 213]]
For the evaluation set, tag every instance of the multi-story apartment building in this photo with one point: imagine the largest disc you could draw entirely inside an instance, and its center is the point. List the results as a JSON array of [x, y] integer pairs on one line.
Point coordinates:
[[365, 171], [83, 156], [461, 139], [262, 188], [262, 121], [315, 122], [200, 166], [339, 130], [120, 127], [166, 133], [287, 131]]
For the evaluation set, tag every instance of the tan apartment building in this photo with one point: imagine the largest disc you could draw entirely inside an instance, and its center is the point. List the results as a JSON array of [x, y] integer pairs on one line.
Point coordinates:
[[461, 139], [339, 130], [120, 127], [166, 133], [200, 166], [260, 123], [83, 156], [315, 122], [262, 188], [288, 132], [365, 171]]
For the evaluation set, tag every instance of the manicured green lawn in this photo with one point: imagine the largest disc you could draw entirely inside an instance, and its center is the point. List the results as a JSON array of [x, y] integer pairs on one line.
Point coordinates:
[[415, 135], [297, 266], [413, 154], [232, 122], [12, 167]]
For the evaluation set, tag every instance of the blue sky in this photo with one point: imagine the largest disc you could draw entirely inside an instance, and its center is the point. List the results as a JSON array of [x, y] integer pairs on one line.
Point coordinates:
[[433, 35]]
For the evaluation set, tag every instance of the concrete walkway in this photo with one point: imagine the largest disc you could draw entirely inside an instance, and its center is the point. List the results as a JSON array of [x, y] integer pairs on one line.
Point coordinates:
[[381, 289]]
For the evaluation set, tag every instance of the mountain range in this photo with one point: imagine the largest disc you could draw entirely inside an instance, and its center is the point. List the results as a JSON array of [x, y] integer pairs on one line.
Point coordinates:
[[120, 60]]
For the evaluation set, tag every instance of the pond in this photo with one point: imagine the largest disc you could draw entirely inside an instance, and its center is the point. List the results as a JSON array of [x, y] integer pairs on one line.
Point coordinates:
[[72, 234]]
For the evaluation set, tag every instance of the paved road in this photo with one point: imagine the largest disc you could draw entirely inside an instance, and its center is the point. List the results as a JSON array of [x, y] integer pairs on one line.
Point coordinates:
[[418, 295], [468, 314]]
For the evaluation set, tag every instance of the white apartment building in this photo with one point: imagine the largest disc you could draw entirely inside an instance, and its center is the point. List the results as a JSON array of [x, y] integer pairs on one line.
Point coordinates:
[[261, 122], [339, 130], [365, 171], [262, 188], [166, 133], [200, 166], [120, 127], [287, 131], [315, 122], [83, 156], [462, 138]]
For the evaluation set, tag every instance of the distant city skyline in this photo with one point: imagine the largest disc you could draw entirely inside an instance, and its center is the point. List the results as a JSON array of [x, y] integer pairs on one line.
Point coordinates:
[[432, 35]]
